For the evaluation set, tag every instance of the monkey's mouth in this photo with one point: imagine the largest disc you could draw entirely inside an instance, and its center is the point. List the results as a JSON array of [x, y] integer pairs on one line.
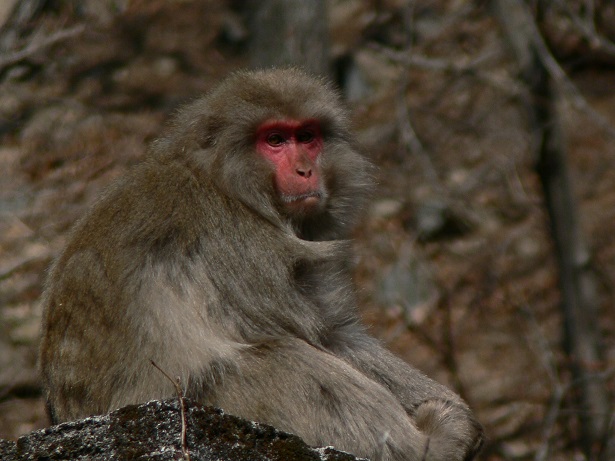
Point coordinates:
[[311, 198], [303, 203]]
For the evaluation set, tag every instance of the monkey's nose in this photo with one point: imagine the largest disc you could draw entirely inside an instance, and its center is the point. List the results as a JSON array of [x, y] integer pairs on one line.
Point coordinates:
[[304, 172]]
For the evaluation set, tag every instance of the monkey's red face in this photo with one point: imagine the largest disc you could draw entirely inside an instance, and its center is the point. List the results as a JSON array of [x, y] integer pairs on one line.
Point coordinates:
[[294, 148]]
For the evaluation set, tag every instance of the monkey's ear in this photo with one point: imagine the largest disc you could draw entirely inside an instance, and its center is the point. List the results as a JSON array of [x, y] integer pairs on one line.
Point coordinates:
[[195, 126]]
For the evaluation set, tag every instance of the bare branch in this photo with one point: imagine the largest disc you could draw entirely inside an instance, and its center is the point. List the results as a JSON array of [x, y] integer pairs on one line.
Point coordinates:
[[409, 138], [462, 66], [560, 78], [39, 44], [547, 357], [587, 27], [22, 266]]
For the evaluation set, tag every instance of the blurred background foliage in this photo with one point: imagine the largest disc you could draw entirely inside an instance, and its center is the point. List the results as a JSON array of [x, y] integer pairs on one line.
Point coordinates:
[[487, 257]]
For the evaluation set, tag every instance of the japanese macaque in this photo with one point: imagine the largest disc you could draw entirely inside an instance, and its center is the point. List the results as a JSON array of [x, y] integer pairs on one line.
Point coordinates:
[[222, 258]]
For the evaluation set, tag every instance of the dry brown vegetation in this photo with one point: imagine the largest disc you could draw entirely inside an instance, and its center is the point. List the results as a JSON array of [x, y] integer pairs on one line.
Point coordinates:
[[456, 266]]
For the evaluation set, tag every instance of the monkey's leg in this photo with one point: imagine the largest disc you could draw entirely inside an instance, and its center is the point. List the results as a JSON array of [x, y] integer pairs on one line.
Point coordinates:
[[298, 388], [438, 412]]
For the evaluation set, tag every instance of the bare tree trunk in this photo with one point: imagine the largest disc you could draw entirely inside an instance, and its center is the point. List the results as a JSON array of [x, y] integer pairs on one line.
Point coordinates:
[[290, 32], [576, 279]]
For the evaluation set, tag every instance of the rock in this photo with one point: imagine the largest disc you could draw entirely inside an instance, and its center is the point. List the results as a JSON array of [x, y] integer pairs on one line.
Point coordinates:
[[385, 209], [437, 220], [152, 431], [407, 287]]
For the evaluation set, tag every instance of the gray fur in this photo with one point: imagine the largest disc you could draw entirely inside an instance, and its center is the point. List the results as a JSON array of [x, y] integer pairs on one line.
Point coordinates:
[[191, 261]]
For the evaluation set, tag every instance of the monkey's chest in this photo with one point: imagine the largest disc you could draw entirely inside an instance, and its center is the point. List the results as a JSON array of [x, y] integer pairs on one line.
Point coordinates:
[[259, 291]]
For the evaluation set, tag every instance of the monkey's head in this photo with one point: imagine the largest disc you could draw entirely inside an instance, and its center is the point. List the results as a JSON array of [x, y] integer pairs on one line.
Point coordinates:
[[279, 141]]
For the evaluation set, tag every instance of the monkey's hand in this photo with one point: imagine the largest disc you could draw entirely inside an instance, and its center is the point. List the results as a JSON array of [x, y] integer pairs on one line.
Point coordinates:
[[450, 429]]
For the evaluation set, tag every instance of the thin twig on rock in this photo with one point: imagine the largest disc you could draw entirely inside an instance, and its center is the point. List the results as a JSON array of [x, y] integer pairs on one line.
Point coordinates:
[[180, 395]]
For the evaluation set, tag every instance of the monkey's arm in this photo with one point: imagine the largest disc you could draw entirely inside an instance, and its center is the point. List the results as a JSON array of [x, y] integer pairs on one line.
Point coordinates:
[[437, 411], [302, 389]]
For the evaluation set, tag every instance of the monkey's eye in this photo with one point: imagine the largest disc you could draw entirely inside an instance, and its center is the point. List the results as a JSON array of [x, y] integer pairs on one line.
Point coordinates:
[[305, 137], [275, 139]]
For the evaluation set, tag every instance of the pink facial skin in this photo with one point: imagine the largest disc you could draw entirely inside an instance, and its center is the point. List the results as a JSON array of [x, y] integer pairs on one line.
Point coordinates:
[[293, 147]]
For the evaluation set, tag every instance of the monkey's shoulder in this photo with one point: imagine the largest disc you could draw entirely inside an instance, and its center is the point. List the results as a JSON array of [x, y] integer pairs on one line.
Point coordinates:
[[161, 210], [144, 205]]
